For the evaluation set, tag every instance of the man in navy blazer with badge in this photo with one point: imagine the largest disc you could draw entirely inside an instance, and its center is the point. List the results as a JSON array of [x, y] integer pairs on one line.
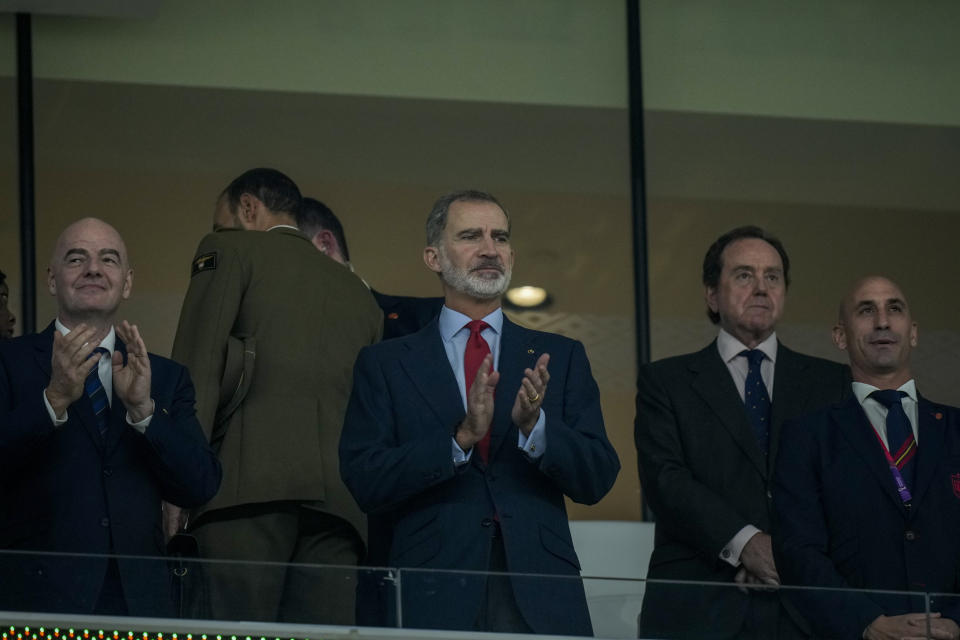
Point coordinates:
[[867, 493], [464, 438], [94, 432]]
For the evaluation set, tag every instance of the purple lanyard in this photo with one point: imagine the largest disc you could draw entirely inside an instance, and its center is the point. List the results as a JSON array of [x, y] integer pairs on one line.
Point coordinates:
[[902, 489]]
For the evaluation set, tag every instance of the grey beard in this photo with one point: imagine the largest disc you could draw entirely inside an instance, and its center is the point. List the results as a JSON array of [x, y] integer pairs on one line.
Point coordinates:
[[473, 285]]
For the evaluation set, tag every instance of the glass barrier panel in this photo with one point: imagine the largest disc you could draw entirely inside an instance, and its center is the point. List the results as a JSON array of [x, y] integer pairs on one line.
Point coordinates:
[[59, 597]]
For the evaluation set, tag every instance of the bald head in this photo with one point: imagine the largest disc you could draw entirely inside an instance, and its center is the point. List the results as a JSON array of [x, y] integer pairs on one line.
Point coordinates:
[[876, 329], [87, 228], [89, 273]]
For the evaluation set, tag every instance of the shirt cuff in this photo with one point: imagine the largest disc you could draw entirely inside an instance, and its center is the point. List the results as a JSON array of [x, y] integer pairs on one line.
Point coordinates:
[[459, 457], [731, 553], [142, 425], [53, 417], [535, 444]]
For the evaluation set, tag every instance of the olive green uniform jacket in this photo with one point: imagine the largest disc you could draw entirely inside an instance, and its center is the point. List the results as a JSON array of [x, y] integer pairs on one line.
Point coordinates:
[[270, 329]]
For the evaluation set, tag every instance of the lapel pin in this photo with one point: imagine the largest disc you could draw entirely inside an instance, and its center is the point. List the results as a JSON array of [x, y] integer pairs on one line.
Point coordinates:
[[393, 315], [938, 415], [529, 350]]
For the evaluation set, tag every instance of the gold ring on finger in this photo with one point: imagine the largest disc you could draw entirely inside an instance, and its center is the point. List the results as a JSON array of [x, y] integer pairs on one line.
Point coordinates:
[[534, 397]]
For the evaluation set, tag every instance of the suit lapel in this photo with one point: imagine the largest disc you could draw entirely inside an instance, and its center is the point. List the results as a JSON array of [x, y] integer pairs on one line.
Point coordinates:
[[852, 422], [81, 409], [789, 394], [428, 368], [43, 349], [930, 448], [517, 352], [712, 381]]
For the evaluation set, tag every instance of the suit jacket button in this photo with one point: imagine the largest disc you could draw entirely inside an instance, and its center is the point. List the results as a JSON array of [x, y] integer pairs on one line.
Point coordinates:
[[910, 535], [486, 522], [104, 522], [107, 471]]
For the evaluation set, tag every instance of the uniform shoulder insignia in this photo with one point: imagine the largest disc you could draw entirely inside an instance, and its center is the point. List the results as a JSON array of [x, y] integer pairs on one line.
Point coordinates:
[[206, 262]]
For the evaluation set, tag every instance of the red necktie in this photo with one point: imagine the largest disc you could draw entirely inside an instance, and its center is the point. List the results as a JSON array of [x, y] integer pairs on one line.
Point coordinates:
[[474, 353]]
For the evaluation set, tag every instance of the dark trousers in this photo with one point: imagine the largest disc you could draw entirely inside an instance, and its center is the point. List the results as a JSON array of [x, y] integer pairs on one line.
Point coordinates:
[[499, 611], [292, 538]]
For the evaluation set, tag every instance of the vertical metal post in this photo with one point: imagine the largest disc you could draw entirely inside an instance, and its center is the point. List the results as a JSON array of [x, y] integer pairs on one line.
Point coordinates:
[[638, 191], [28, 269]]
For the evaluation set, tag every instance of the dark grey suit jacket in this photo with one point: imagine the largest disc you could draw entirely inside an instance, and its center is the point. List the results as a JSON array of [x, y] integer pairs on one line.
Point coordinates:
[[705, 477]]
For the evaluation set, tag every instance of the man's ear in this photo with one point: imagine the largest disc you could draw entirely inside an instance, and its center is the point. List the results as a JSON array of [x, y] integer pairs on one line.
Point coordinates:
[[710, 296], [328, 242], [127, 285], [51, 282], [431, 257], [840, 336], [248, 210], [914, 334]]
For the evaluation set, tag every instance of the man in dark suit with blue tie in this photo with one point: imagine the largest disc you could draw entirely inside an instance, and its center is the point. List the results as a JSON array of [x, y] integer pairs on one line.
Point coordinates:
[[467, 435], [94, 432], [867, 492], [707, 433]]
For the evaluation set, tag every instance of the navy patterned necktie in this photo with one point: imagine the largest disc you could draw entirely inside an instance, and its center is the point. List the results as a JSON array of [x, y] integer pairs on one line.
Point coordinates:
[[900, 441], [756, 399], [96, 393]]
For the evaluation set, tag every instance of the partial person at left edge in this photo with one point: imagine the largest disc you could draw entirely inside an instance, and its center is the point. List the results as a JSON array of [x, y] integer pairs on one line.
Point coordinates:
[[7, 320], [94, 433]]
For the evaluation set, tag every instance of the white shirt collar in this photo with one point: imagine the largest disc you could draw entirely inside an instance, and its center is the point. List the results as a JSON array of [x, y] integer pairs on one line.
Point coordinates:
[[863, 390], [109, 341], [453, 321], [283, 226], [730, 347]]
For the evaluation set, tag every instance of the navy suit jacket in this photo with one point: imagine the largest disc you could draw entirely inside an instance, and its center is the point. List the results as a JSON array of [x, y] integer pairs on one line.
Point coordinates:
[[396, 459], [67, 489], [840, 522], [403, 315], [705, 478]]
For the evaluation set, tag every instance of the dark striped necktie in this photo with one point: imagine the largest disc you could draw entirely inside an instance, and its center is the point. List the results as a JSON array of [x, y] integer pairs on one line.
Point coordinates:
[[96, 393], [900, 441]]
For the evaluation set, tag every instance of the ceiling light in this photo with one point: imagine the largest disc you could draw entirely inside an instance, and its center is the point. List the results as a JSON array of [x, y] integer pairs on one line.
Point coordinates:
[[527, 297]]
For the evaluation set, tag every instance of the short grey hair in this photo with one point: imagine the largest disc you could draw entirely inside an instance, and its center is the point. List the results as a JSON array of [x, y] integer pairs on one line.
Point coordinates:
[[437, 220]]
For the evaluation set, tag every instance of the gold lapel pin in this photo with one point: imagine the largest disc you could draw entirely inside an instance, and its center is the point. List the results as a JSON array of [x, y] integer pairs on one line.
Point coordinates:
[[529, 350]]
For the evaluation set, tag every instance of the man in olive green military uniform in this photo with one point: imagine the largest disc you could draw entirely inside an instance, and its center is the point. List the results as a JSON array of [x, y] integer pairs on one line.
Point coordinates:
[[270, 329]]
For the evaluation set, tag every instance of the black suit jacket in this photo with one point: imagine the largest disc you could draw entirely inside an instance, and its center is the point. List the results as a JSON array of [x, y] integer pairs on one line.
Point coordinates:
[[396, 458], [841, 523], [66, 489], [705, 477]]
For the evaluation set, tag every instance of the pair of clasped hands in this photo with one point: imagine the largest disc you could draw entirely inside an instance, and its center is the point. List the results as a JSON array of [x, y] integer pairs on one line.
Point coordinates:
[[71, 364], [758, 568], [526, 406]]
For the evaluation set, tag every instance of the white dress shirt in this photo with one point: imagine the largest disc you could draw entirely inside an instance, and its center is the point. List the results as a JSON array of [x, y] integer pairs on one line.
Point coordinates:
[[877, 413]]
